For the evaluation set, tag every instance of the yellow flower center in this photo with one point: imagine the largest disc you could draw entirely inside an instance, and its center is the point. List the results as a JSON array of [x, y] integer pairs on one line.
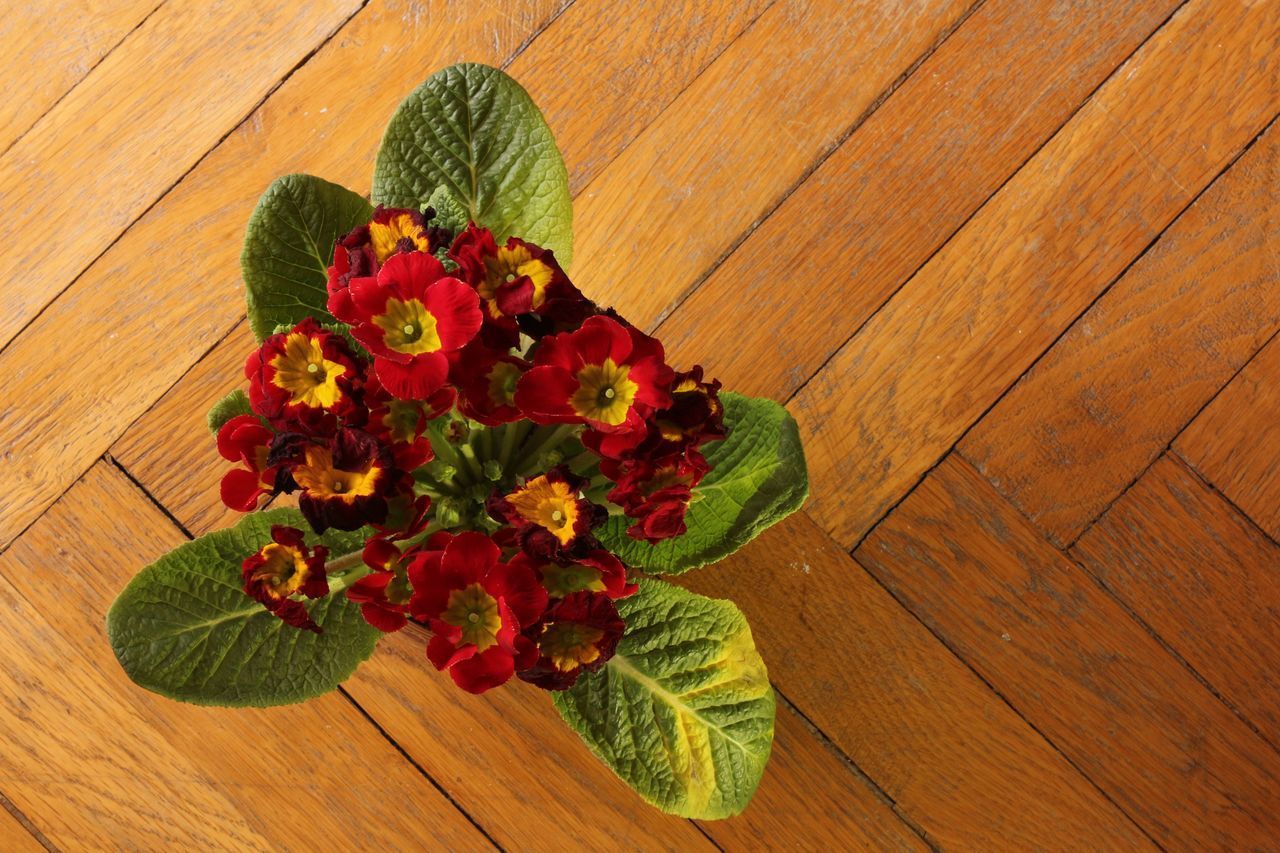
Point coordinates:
[[562, 580], [511, 264], [604, 393], [284, 572], [385, 238], [552, 505], [569, 645], [408, 327], [502, 383], [304, 372], [476, 613], [319, 478]]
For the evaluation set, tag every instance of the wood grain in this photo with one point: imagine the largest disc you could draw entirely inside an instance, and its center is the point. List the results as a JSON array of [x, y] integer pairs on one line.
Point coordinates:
[[1234, 441], [1206, 583], [810, 800], [140, 132], [1071, 660], [318, 757], [961, 331], [135, 305], [508, 759], [955, 758], [736, 142], [901, 185], [46, 54], [1104, 402]]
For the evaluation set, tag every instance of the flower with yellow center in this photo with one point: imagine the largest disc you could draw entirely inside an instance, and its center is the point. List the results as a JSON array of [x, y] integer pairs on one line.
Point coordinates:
[[408, 327], [512, 263], [562, 580], [552, 504], [306, 374], [569, 645], [283, 570], [320, 479], [475, 613], [386, 236], [604, 394], [502, 383]]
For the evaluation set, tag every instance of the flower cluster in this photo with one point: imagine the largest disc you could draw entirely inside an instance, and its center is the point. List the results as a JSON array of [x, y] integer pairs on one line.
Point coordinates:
[[480, 419]]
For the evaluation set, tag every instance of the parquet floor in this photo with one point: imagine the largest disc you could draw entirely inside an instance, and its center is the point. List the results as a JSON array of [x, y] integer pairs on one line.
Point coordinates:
[[1013, 264]]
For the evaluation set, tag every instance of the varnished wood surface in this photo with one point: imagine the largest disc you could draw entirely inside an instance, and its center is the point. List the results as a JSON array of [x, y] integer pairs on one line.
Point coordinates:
[[1012, 265]]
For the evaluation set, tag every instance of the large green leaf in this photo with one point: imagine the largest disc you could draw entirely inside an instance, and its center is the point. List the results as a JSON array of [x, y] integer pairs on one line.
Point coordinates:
[[475, 131], [683, 713], [184, 628], [288, 247], [757, 478]]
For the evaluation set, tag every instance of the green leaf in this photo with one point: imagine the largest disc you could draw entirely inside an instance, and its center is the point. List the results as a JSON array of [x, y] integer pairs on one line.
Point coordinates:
[[683, 713], [184, 628], [449, 213], [757, 478], [234, 404], [288, 247], [475, 131]]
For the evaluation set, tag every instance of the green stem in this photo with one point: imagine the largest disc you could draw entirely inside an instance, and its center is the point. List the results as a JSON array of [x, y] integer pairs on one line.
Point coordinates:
[[512, 435], [544, 440], [469, 459]]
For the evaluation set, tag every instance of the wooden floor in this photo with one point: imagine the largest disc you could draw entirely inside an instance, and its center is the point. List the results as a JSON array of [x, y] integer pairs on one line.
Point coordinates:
[[1014, 265]]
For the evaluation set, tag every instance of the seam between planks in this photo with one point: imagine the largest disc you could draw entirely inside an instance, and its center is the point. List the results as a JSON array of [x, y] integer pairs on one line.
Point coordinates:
[[947, 241], [360, 710], [822, 158], [83, 77]]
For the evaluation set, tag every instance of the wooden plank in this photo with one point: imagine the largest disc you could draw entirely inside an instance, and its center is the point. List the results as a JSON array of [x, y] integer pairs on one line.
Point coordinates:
[[1072, 661], [119, 140], [315, 757], [957, 335], [956, 760], [1203, 577], [508, 759], [901, 185], [737, 140], [134, 308], [1104, 402], [14, 836], [810, 800], [49, 52], [605, 70], [170, 450], [1234, 441]]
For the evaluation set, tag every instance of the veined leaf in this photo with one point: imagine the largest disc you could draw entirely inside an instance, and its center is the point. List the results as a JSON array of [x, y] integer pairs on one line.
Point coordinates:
[[684, 712], [288, 247], [474, 131], [184, 628], [757, 478], [235, 403]]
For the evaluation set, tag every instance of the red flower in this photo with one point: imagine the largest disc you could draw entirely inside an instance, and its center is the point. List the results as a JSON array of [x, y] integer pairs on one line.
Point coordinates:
[[486, 381], [657, 493], [409, 318], [595, 571], [476, 607], [604, 375], [383, 595], [283, 568], [244, 439], [548, 513], [577, 634], [360, 253], [517, 278], [301, 378], [346, 482], [401, 424]]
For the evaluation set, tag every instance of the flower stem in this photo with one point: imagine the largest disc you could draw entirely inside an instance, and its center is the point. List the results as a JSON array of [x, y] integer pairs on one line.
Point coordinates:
[[543, 440], [512, 434]]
